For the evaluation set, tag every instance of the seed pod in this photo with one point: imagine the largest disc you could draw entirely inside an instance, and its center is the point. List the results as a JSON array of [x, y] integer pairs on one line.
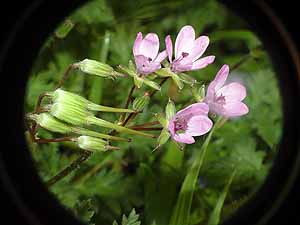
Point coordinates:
[[48, 122], [69, 113], [94, 144], [94, 67], [141, 102]]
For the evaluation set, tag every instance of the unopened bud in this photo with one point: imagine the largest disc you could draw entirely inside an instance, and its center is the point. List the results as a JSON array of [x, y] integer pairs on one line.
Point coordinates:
[[93, 144], [48, 122], [94, 67], [69, 113], [141, 102], [170, 110]]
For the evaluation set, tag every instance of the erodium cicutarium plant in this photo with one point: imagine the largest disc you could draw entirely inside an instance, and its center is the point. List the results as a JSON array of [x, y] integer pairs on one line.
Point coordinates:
[[76, 118]]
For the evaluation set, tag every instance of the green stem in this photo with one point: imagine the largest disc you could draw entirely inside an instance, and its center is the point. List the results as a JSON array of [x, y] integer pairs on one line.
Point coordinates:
[[95, 107], [103, 123], [82, 131]]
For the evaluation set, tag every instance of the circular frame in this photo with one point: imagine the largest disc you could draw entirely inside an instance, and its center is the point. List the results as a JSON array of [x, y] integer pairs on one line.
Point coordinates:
[[18, 175]]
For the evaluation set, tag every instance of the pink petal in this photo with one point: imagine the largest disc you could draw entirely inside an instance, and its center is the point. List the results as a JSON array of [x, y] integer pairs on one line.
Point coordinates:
[[184, 41], [198, 109], [149, 46], [171, 127], [199, 125], [169, 47], [161, 56], [203, 62], [200, 45], [218, 82], [180, 67], [235, 108], [144, 66], [184, 138], [137, 43], [233, 92]]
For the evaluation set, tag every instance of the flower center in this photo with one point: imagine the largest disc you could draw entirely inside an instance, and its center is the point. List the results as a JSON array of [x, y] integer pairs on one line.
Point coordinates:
[[180, 124], [220, 99], [177, 61]]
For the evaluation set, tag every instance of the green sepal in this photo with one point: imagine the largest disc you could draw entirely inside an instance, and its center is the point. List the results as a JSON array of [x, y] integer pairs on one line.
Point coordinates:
[[161, 119], [163, 137], [198, 93], [170, 110]]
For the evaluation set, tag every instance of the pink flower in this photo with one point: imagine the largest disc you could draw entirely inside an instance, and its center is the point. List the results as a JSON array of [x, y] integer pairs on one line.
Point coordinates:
[[189, 122], [188, 51], [226, 100], [146, 55]]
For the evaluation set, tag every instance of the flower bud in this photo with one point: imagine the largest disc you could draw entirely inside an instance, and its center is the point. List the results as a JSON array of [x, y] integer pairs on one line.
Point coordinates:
[[141, 102], [170, 110], [93, 144], [94, 67], [46, 121], [198, 93], [69, 113]]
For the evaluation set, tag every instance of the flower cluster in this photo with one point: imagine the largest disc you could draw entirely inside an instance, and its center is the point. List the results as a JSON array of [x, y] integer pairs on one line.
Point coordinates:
[[221, 99], [69, 113]]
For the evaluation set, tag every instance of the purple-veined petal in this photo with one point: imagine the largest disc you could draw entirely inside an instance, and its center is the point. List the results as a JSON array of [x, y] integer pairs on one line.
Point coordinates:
[[171, 127], [184, 138], [169, 47], [199, 125], [200, 45], [232, 92], [161, 56], [200, 108], [203, 62], [149, 46], [179, 67], [184, 41], [234, 109], [218, 82], [137, 43], [144, 66]]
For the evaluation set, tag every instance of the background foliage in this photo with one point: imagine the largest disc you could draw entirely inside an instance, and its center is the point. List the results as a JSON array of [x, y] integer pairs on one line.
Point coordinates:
[[111, 184]]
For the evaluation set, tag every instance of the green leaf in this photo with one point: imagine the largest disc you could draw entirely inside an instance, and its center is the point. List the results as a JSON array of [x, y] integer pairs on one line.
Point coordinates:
[[214, 218], [181, 211], [132, 219], [84, 210]]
